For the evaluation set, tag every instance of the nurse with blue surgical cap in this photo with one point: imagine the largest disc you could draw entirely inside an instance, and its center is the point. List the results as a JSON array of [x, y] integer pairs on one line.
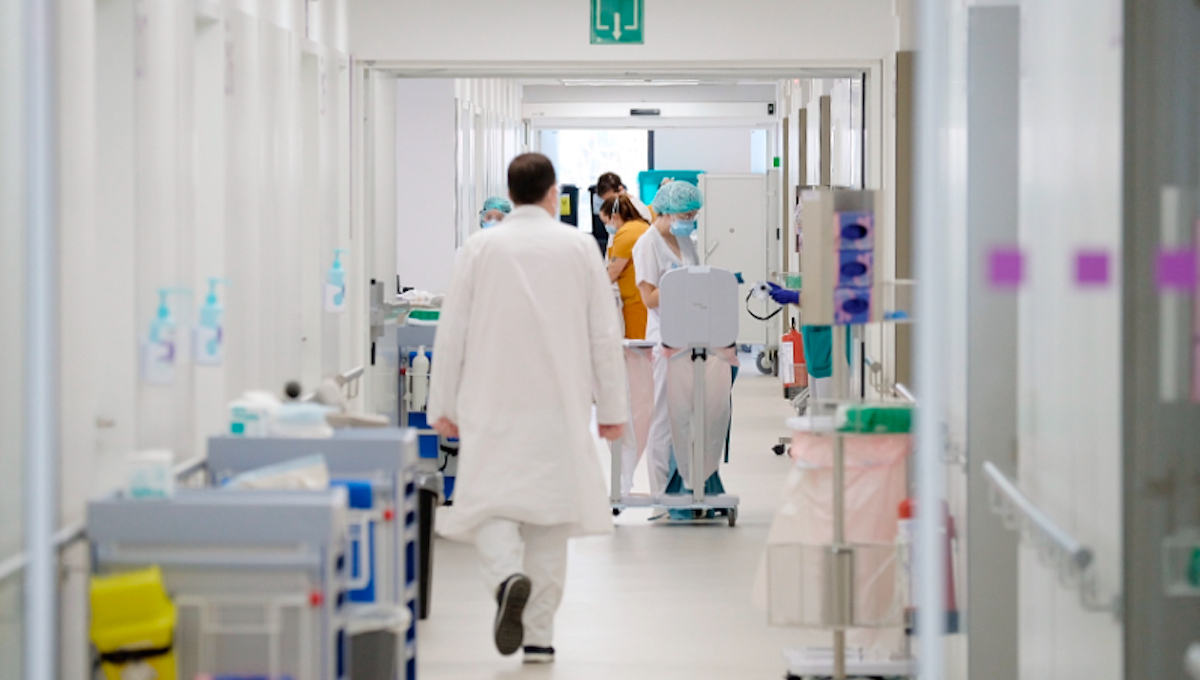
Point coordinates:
[[494, 211], [666, 245]]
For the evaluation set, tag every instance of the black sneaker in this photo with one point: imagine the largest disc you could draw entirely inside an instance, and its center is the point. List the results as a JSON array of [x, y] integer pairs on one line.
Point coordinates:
[[509, 631], [539, 655]]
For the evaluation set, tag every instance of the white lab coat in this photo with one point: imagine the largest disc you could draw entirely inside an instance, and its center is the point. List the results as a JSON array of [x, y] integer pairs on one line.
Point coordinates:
[[528, 336]]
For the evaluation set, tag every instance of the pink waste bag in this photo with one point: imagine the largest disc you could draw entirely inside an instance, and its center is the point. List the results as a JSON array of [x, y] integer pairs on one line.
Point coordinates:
[[718, 383], [639, 366], [793, 575]]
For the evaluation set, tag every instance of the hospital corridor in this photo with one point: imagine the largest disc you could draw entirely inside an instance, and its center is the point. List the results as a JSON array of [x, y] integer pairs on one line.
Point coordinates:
[[637, 607], [594, 339]]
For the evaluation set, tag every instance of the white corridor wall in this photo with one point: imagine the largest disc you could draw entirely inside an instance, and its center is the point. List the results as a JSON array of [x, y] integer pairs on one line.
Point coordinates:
[[12, 295], [1069, 383], [454, 139], [197, 140], [723, 151]]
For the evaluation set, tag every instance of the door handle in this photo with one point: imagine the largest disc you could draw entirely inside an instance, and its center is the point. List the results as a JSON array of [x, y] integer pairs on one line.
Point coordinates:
[[710, 251]]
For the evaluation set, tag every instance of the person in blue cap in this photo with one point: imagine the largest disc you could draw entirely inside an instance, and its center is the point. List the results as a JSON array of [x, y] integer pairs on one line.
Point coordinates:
[[666, 245], [494, 211]]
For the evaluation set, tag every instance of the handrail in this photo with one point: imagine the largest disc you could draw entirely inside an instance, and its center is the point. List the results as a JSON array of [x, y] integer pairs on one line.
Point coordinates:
[[189, 467], [1074, 561], [904, 392], [77, 530], [62, 538], [351, 375], [346, 380]]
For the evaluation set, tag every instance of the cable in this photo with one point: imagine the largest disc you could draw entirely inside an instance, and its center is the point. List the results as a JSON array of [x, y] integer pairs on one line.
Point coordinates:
[[768, 317]]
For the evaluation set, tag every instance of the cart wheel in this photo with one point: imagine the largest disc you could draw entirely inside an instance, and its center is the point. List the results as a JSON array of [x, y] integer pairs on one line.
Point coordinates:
[[779, 449], [764, 363], [732, 517], [616, 512]]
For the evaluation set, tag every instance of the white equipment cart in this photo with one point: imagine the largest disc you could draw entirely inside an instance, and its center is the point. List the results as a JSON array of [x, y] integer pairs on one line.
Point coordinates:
[[698, 310]]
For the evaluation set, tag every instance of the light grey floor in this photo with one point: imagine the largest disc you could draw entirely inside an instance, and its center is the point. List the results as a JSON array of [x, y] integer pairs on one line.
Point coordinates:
[[655, 600]]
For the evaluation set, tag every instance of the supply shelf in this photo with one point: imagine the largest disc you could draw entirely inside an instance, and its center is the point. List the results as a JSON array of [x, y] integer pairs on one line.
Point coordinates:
[[387, 536], [241, 554]]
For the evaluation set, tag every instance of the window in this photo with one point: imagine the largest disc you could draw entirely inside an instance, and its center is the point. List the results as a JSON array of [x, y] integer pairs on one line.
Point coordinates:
[[581, 156]]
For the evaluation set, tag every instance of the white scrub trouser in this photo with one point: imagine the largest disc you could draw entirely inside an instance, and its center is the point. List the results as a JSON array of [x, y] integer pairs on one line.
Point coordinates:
[[658, 442], [629, 461], [540, 552]]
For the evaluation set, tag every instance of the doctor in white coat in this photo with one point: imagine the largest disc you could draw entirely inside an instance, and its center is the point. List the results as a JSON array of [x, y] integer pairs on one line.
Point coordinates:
[[528, 341]]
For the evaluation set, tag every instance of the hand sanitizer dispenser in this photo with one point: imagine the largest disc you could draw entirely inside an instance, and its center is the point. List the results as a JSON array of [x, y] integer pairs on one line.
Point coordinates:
[[335, 284], [159, 349], [209, 341]]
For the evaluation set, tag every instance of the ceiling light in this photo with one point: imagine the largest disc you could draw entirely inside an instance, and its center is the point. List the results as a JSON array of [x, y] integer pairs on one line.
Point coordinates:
[[627, 83]]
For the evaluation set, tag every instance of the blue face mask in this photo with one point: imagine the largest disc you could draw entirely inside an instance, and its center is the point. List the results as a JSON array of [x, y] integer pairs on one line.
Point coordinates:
[[489, 224], [610, 229], [683, 228]]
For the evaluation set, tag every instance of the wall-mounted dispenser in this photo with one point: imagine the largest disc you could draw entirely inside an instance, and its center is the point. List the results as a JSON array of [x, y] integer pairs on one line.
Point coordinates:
[[335, 284], [160, 349], [209, 341]]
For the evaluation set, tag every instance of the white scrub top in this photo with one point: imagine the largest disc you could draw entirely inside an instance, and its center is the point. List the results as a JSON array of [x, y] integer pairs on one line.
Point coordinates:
[[652, 258]]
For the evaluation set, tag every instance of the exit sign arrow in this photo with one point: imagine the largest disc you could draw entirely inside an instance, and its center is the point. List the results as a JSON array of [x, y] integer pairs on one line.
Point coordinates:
[[617, 22]]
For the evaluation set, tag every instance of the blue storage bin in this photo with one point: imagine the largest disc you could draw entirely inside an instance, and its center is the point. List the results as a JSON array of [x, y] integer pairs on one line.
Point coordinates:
[[648, 181], [361, 499]]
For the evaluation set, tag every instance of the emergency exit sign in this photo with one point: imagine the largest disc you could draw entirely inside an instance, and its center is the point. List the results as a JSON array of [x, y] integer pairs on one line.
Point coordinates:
[[617, 22]]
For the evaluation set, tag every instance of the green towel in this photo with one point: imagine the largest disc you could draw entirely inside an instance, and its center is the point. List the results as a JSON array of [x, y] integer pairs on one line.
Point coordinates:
[[425, 314], [875, 419]]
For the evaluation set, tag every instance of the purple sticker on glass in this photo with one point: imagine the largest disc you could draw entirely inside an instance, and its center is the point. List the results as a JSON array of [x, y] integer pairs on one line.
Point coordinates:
[[1176, 270], [1091, 268], [1006, 267]]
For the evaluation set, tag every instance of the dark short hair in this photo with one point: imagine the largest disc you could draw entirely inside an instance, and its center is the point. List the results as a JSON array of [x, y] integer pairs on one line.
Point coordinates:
[[530, 176], [609, 181]]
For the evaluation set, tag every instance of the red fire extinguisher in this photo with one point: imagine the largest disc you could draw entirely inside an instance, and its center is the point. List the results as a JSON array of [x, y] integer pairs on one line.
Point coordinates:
[[792, 367], [907, 535]]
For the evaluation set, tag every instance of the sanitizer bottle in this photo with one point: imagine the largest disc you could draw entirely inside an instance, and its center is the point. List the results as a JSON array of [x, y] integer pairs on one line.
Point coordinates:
[[159, 350], [335, 284], [209, 342]]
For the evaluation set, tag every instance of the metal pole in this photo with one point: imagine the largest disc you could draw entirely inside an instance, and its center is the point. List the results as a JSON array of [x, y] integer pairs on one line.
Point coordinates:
[[839, 578], [840, 584], [930, 230], [41, 339], [699, 423]]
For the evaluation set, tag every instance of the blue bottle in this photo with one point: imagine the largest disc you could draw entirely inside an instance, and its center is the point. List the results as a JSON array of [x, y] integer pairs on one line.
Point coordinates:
[[335, 284], [159, 349], [209, 342]]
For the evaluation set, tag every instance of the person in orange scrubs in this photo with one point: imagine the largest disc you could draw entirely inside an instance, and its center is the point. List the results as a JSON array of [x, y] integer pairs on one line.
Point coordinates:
[[626, 226]]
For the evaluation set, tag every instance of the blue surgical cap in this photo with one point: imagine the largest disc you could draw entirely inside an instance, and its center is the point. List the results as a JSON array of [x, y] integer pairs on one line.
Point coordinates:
[[677, 197], [496, 203]]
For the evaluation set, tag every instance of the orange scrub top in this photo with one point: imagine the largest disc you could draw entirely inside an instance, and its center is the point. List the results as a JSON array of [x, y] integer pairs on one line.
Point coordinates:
[[631, 300]]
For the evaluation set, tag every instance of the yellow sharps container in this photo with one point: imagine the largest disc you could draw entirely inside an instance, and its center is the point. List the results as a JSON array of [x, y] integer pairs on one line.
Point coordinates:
[[133, 625]]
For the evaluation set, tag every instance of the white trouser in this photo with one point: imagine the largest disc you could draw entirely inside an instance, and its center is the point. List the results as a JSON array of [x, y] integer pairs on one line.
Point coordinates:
[[540, 552], [658, 442], [629, 461]]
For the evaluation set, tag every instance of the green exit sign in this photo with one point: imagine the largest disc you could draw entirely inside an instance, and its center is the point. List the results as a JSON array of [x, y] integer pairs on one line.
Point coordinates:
[[617, 22]]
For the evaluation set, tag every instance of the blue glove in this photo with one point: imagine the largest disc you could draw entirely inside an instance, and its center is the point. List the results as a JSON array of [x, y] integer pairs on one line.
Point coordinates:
[[784, 296]]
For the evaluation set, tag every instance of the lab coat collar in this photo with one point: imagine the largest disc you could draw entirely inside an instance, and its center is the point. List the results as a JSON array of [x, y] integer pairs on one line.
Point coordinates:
[[525, 212]]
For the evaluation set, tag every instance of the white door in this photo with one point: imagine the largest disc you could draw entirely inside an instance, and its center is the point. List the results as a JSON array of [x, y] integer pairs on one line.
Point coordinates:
[[733, 235]]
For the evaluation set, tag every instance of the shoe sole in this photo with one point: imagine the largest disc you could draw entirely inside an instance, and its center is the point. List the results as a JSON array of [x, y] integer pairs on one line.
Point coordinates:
[[535, 660], [510, 631]]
